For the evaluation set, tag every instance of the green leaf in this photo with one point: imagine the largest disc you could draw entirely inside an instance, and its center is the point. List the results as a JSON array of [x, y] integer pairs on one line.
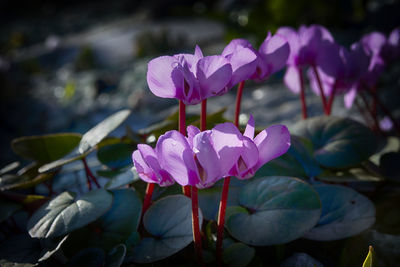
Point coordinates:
[[123, 178], [301, 259], [101, 130], [64, 214], [117, 224], [344, 213], [351, 175], [169, 222], [26, 178], [238, 255], [7, 209], [392, 145], [370, 260], [45, 148], [273, 210], [73, 156], [337, 142], [116, 156], [9, 167], [116, 256]]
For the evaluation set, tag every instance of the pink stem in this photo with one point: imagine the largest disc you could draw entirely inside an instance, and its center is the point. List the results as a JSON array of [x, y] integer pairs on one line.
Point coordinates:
[[196, 226], [182, 130], [331, 99], [321, 90], [238, 102], [147, 198], [302, 96], [225, 188]]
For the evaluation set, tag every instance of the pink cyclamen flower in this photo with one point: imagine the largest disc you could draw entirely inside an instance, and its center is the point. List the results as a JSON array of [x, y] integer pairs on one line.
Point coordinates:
[[267, 145], [202, 158], [304, 51], [340, 70], [243, 59], [271, 56], [187, 77], [148, 167]]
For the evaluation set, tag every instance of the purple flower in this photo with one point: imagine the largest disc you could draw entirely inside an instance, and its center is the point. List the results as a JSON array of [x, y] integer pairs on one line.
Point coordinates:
[[305, 47], [202, 158], [391, 50], [243, 59], [190, 78], [267, 145], [148, 167], [271, 57], [340, 70]]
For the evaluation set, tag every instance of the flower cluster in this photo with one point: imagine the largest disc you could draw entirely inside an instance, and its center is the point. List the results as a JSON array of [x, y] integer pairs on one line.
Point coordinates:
[[341, 70], [193, 78], [202, 158]]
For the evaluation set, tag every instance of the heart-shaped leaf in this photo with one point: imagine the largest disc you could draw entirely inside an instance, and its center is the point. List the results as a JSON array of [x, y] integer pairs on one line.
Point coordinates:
[[238, 255], [116, 156], [169, 222], [64, 214], [273, 210], [337, 142], [124, 178], [45, 148], [301, 259], [101, 130], [344, 213], [116, 225]]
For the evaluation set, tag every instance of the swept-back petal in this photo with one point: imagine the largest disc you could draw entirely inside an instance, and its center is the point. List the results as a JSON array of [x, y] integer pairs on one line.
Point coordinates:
[[275, 51], [203, 148], [235, 45], [272, 143], [244, 167], [213, 74], [249, 131], [144, 171], [292, 79], [176, 157], [244, 63], [191, 132], [228, 144], [159, 76]]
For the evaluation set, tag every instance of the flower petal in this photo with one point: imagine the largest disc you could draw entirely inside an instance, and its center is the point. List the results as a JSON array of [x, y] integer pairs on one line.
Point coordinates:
[[235, 45], [176, 157], [213, 74], [210, 170], [159, 76], [244, 167], [191, 132], [244, 63], [272, 143], [144, 171], [292, 79], [275, 51], [249, 131], [228, 144]]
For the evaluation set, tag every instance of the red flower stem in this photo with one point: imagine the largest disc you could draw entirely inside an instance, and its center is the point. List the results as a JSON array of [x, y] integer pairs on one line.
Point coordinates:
[[221, 219], [203, 115], [331, 99], [363, 113], [147, 197], [385, 110], [302, 95], [89, 174], [182, 130], [238, 102], [88, 182], [370, 111], [196, 227], [321, 90], [225, 187]]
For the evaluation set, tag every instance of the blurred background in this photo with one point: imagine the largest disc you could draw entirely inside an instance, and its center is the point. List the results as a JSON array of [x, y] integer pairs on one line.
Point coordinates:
[[66, 65]]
